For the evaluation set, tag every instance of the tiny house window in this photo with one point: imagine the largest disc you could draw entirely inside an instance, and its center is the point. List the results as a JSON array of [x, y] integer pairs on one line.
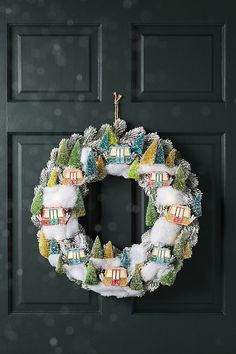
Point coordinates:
[[121, 151], [159, 177], [53, 213], [73, 175], [82, 254], [115, 274], [113, 152], [179, 212], [153, 176], [46, 213], [70, 255]]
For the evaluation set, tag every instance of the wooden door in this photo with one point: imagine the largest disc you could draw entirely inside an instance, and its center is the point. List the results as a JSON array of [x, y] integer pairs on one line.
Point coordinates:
[[174, 62]]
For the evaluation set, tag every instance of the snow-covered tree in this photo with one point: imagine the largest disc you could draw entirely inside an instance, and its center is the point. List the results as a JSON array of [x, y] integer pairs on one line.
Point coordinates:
[[91, 275], [136, 281], [124, 261], [63, 154], [37, 203], [96, 251], [160, 155], [108, 251], [74, 160]]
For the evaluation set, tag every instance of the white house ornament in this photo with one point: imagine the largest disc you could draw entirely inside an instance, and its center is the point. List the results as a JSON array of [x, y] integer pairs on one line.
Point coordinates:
[[174, 205]]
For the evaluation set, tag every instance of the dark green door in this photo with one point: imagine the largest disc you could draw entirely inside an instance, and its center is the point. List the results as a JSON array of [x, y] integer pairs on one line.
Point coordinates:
[[174, 61]]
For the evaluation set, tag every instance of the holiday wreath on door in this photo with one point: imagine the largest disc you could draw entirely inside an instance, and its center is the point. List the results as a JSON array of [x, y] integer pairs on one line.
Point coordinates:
[[171, 217]]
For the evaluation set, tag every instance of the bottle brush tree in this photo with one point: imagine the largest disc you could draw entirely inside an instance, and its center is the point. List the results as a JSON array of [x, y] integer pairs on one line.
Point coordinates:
[[138, 144], [104, 144], [197, 205], [63, 154], [79, 207], [108, 252], [112, 138], [91, 168], [136, 281], [170, 160], [96, 251], [133, 170], [91, 275], [44, 245], [187, 251], [169, 277], [149, 156], [52, 182], [151, 214], [101, 167], [74, 160], [37, 202], [180, 243], [124, 261], [59, 267], [160, 156], [179, 182], [54, 247]]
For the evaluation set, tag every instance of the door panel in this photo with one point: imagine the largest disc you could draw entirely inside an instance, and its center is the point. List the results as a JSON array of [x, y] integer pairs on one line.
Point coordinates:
[[59, 64]]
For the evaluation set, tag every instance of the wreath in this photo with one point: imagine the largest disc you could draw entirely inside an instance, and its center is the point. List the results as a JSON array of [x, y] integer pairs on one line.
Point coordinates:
[[173, 208]]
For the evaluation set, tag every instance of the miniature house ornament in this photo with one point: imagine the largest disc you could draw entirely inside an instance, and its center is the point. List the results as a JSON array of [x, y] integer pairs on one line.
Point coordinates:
[[173, 209]]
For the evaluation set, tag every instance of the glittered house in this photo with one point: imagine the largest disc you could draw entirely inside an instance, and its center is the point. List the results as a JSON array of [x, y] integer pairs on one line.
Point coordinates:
[[76, 256], [159, 179], [115, 276], [54, 216], [179, 214], [120, 154], [73, 176], [160, 255]]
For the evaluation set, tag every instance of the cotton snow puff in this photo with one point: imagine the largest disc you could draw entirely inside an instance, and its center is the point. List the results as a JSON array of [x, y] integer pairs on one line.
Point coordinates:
[[75, 272], [61, 232], [118, 170], [169, 196], [60, 195], [164, 232], [137, 256]]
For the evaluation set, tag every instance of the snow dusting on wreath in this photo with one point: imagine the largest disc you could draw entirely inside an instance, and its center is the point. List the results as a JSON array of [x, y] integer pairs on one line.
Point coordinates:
[[171, 216]]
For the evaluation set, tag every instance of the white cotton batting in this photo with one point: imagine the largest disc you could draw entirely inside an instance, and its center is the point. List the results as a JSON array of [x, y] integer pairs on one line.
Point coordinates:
[[155, 168], [104, 263], [168, 196], [117, 291], [149, 271], [116, 169], [165, 232], [75, 272], [137, 255], [61, 232], [53, 259], [60, 195]]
